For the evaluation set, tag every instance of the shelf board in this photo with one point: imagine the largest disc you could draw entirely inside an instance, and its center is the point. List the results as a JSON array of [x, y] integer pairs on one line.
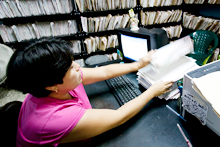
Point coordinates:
[[104, 13], [162, 8], [21, 43], [163, 25], [101, 52], [101, 33], [38, 18]]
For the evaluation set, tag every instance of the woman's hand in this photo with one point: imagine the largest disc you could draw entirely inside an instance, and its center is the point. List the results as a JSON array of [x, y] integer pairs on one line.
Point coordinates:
[[161, 87], [144, 61]]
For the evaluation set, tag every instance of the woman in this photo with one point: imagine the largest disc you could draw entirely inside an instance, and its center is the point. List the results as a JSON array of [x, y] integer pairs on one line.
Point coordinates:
[[57, 109]]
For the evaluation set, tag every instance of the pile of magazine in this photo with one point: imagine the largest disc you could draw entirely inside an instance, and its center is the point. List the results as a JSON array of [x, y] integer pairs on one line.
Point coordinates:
[[168, 63]]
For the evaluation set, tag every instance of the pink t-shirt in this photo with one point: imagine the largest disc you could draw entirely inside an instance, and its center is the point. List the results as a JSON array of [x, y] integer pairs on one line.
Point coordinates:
[[45, 121]]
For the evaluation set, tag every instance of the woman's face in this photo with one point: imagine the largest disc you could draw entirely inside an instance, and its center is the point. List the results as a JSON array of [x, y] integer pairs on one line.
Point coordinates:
[[71, 79]]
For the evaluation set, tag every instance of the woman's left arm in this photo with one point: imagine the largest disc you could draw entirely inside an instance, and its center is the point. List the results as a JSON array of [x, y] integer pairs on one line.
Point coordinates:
[[92, 75]]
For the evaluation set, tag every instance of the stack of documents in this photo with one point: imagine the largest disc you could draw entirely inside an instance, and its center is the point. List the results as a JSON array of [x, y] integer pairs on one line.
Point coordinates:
[[159, 17], [37, 30], [208, 88], [202, 1], [101, 5], [76, 48], [23, 8], [103, 23], [147, 76], [173, 31], [170, 53], [100, 43], [168, 63], [200, 23], [156, 3]]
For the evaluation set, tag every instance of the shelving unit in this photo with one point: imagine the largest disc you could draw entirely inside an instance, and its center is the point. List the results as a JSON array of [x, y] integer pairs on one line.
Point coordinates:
[[204, 10], [81, 35]]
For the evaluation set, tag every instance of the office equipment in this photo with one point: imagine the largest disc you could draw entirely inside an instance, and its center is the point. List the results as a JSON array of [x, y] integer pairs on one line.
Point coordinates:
[[211, 92], [190, 97], [123, 89], [136, 44], [175, 112], [184, 136], [202, 40]]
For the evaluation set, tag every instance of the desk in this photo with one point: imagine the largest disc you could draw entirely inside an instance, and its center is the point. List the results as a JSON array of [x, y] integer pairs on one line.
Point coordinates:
[[154, 126]]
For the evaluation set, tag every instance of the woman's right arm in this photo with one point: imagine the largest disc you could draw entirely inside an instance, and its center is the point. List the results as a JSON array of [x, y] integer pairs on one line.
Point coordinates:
[[97, 121]]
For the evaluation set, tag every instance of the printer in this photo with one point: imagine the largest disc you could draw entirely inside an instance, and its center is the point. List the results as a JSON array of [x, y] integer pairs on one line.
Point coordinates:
[[211, 118]]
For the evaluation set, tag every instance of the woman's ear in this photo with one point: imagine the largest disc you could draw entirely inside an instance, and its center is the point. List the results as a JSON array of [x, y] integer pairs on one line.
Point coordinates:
[[52, 88]]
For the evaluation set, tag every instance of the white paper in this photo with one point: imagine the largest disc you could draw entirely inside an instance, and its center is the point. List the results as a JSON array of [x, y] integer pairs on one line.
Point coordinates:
[[171, 52], [147, 76], [209, 85], [173, 72]]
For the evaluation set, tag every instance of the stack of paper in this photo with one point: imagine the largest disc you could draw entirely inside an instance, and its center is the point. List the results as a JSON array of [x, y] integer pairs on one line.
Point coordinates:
[[168, 63], [200, 23], [170, 53], [101, 5], [173, 31], [19, 8], [156, 3], [76, 48], [159, 17], [208, 88], [202, 1], [103, 23], [100, 43], [37, 30], [175, 71]]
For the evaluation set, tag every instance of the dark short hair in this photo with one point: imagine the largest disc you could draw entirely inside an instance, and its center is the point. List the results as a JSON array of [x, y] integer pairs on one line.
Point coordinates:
[[42, 64]]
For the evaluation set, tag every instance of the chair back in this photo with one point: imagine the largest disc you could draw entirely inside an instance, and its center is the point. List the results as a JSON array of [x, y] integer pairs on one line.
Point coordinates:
[[5, 55], [8, 122], [202, 40]]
